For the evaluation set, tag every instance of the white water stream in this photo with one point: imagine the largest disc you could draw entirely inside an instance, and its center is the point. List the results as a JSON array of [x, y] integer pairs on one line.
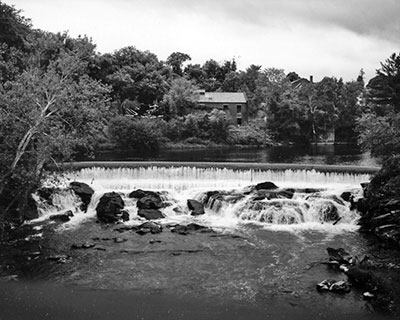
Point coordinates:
[[178, 184]]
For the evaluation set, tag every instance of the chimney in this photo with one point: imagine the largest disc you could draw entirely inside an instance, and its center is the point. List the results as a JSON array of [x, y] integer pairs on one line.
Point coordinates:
[[311, 79]]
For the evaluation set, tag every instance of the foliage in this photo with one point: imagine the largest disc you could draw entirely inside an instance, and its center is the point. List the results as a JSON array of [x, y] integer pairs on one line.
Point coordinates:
[[379, 128], [181, 96], [138, 134], [176, 60], [253, 134]]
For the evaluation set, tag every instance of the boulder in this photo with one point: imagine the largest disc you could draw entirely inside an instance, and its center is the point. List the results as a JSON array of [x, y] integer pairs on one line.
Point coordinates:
[[149, 227], [339, 255], [64, 217], [195, 207], [329, 211], [150, 214], [110, 207], [46, 194], [340, 286], [346, 196], [139, 193], [266, 186], [84, 192], [150, 202]]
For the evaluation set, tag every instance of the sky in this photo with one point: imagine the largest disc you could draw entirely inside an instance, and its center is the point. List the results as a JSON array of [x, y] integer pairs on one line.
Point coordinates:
[[311, 37]]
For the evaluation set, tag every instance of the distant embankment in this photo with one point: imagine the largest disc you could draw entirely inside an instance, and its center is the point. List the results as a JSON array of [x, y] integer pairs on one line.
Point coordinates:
[[221, 165]]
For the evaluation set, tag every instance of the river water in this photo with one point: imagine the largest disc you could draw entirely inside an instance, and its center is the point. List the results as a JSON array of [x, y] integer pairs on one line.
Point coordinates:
[[247, 267]]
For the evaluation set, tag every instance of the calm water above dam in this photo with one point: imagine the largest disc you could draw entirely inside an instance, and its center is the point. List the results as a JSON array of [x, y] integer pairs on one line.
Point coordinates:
[[311, 154]]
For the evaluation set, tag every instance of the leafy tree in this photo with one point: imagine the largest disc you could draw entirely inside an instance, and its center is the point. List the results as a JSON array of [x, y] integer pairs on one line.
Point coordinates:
[[181, 96], [14, 27], [379, 126], [176, 60], [47, 114]]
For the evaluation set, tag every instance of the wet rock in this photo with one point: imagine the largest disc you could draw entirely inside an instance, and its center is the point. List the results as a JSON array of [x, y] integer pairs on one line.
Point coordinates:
[[150, 214], [268, 185], [195, 207], [64, 217], [110, 207], [124, 215], [153, 241], [46, 194], [59, 258], [86, 245], [328, 211], [13, 277], [139, 193], [84, 192], [273, 194], [149, 227], [368, 296], [340, 256], [340, 286], [185, 229], [150, 202], [119, 240], [346, 196]]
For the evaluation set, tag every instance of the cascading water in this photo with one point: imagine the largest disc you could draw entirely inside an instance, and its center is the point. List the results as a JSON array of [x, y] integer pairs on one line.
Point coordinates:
[[233, 202]]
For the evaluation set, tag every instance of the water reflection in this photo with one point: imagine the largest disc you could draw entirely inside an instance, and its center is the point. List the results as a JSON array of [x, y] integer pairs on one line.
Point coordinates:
[[312, 154]]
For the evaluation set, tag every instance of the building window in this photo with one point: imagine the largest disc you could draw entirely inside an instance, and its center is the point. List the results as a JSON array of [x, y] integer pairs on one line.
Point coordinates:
[[239, 121], [238, 109]]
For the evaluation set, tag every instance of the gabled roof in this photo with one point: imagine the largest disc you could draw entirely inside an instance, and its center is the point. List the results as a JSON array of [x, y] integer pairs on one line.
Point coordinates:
[[222, 97]]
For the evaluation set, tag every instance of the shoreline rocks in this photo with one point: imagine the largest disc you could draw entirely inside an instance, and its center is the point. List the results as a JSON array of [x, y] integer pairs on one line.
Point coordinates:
[[110, 208]]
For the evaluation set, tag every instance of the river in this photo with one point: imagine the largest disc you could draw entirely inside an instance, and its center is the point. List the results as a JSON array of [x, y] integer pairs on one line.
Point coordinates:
[[251, 264]]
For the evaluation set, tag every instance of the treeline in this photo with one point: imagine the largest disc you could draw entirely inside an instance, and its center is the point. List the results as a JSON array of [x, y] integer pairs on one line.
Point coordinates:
[[60, 98]]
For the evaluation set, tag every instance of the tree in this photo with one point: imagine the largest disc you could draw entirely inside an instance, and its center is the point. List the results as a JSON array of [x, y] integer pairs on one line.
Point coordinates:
[[14, 27], [181, 96], [47, 115], [379, 127], [176, 60]]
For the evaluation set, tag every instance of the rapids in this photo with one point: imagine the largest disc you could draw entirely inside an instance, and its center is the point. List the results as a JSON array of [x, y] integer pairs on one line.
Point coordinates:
[[235, 206]]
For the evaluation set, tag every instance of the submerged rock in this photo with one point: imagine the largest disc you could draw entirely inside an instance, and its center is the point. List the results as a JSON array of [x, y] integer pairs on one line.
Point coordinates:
[[150, 214], [110, 207], [335, 286], [195, 207], [185, 229], [64, 217], [84, 192], [149, 227], [340, 255]]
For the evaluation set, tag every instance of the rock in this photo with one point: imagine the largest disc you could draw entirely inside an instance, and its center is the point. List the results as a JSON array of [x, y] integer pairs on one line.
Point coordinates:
[[86, 245], [149, 227], [119, 240], [59, 258], [339, 255], [150, 202], [150, 214], [84, 192], [364, 278], [46, 194], [184, 229], [124, 215], [110, 207], [139, 193], [346, 196], [340, 286], [273, 194], [368, 295], [195, 207], [329, 211], [266, 186], [64, 217], [153, 241], [13, 277]]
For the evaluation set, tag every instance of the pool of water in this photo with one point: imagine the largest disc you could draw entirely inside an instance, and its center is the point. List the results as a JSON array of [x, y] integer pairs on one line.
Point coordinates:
[[310, 154]]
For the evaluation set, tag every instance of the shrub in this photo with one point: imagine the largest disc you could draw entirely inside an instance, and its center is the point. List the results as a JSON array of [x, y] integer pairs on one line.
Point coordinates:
[[142, 134], [253, 134]]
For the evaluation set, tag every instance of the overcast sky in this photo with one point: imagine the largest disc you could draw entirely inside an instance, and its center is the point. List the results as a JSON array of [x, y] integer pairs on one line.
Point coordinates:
[[311, 37]]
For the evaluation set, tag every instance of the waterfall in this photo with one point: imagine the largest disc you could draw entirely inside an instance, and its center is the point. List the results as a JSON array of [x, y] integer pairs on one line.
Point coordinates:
[[233, 203]]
